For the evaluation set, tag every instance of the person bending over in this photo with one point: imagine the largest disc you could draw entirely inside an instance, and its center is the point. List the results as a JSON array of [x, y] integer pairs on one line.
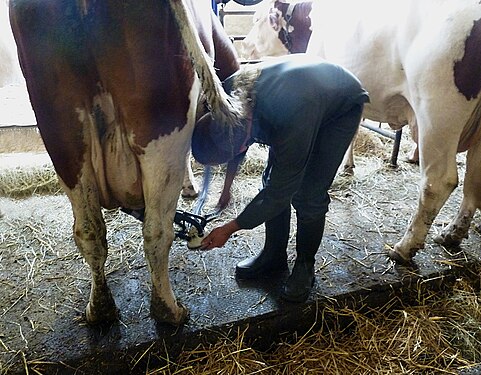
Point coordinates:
[[307, 111]]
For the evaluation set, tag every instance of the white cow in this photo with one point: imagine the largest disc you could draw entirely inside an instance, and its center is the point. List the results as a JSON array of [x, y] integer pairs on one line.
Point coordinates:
[[278, 28], [420, 60]]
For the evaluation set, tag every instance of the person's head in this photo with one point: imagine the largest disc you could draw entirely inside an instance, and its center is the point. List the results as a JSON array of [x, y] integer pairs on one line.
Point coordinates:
[[215, 142]]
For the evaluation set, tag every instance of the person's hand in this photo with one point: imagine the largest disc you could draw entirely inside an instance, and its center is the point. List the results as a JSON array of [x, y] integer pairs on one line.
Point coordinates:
[[219, 236], [224, 200]]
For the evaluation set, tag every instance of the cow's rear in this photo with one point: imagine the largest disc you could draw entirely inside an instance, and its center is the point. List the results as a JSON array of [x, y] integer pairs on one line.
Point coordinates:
[[115, 93]]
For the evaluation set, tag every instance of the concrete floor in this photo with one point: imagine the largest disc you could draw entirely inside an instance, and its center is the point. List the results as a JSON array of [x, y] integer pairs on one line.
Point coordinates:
[[229, 306], [350, 271]]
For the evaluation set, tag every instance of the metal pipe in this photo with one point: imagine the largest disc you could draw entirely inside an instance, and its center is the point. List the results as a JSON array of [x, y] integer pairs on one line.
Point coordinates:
[[395, 149], [385, 133]]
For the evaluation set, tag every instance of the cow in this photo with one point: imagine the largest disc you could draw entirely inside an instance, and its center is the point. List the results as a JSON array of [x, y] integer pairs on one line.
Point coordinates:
[[115, 85], [10, 74], [429, 57], [420, 63]]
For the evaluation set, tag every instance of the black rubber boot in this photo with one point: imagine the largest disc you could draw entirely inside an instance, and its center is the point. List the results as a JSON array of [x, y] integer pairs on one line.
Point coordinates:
[[273, 258], [299, 284]]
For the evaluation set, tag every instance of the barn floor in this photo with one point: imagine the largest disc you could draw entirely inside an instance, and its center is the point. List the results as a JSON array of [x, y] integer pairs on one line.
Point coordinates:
[[44, 283]]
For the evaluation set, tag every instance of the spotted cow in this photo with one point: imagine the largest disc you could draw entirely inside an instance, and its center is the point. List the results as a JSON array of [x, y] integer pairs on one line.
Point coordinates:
[[428, 56], [114, 86], [420, 61]]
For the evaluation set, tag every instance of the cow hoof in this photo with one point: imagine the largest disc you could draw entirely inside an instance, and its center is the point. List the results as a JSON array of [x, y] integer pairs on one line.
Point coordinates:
[[413, 156], [447, 240], [162, 314], [100, 314], [399, 258], [413, 161], [195, 242]]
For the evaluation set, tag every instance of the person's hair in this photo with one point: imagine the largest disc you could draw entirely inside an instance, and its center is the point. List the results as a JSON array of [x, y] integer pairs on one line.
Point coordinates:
[[217, 142], [242, 92]]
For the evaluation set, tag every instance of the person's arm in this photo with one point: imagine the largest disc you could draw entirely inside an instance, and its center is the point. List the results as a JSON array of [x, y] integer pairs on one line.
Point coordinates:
[[290, 155], [266, 204]]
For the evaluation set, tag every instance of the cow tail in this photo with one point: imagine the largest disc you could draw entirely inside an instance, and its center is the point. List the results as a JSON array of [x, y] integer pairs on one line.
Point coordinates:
[[224, 108]]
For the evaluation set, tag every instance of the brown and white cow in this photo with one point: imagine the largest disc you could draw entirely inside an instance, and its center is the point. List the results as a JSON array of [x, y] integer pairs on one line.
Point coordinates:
[[114, 90], [421, 63]]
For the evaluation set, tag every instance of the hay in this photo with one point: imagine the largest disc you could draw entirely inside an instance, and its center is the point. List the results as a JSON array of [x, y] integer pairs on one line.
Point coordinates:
[[25, 182], [440, 335], [368, 143], [227, 356], [255, 161]]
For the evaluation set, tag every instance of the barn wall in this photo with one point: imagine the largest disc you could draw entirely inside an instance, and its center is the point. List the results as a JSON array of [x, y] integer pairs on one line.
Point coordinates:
[[10, 72]]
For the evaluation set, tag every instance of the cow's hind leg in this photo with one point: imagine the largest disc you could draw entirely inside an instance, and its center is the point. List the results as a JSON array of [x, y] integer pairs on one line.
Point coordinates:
[[90, 237], [438, 179], [458, 229], [162, 182]]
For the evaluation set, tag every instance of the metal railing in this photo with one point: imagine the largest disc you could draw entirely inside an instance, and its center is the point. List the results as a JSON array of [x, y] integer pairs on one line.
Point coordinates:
[[223, 13], [394, 135]]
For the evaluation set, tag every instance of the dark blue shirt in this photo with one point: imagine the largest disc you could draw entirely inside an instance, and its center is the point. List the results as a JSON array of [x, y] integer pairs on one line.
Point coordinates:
[[292, 100]]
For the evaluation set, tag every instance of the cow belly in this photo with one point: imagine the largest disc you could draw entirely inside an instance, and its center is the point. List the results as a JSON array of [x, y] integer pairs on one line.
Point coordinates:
[[122, 171], [394, 110]]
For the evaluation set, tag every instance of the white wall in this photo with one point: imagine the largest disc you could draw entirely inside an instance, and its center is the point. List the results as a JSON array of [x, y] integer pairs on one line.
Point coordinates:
[[9, 67]]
